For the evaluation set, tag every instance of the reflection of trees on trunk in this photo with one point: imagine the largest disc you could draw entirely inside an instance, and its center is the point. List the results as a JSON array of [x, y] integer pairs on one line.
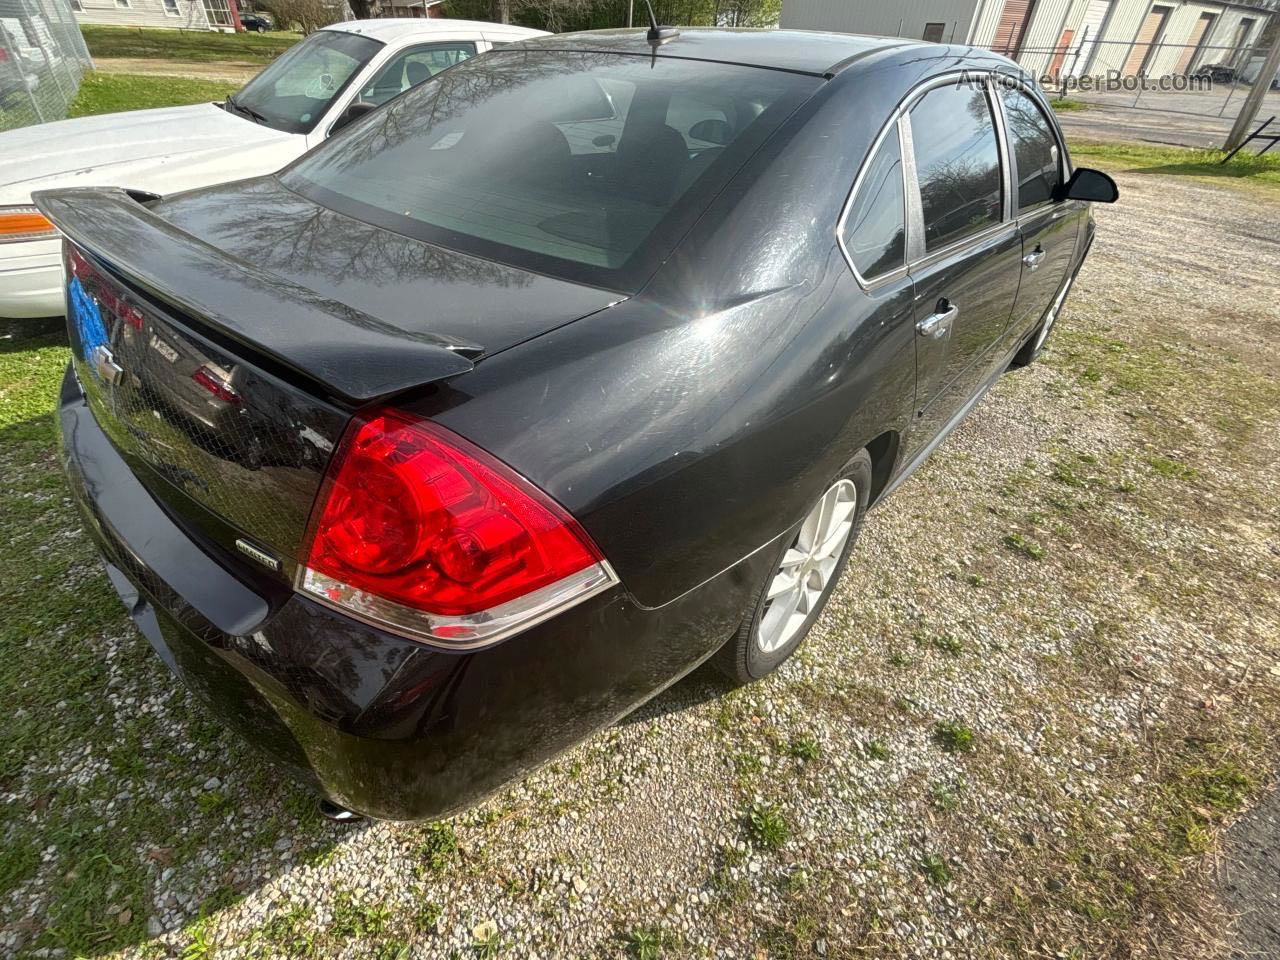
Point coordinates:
[[279, 230]]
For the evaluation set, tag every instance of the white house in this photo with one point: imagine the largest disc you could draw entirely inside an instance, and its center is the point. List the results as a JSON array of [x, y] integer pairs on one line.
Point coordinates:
[[1061, 36], [187, 14]]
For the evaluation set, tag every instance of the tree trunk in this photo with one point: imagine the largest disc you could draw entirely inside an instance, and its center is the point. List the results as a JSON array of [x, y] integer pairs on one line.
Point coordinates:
[[501, 11], [361, 9]]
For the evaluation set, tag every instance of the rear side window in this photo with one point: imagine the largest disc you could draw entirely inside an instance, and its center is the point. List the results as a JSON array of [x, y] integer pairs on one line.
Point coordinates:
[[957, 163], [874, 232], [1036, 159]]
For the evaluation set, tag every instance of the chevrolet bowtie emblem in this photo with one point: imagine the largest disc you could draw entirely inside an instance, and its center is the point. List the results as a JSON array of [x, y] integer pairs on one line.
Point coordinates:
[[104, 362]]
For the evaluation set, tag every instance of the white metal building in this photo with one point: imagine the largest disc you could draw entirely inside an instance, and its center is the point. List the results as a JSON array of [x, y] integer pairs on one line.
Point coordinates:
[[1061, 36]]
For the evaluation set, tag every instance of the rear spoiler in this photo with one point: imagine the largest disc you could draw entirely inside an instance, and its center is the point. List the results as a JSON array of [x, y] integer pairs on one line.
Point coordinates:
[[355, 355]]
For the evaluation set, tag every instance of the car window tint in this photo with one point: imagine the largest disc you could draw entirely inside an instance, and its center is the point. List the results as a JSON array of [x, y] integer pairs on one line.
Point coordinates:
[[412, 67], [875, 229], [1035, 148], [957, 162], [558, 161], [603, 118]]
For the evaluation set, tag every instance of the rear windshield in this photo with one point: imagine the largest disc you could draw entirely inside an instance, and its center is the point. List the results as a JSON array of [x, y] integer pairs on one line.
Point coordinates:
[[586, 166]]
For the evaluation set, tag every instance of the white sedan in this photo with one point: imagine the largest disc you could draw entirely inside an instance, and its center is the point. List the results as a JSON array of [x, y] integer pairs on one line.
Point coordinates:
[[314, 88]]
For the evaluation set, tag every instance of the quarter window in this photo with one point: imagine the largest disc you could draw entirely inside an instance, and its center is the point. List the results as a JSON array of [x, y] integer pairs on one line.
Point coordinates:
[[957, 162], [875, 230], [1036, 157]]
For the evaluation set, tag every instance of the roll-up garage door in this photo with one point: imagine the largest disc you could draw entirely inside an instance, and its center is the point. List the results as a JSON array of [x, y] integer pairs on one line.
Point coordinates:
[[1151, 29], [1195, 42], [1012, 26], [1095, 17]]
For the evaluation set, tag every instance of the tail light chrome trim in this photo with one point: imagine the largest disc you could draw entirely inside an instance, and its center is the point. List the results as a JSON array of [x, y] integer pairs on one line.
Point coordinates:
[[469, 632]]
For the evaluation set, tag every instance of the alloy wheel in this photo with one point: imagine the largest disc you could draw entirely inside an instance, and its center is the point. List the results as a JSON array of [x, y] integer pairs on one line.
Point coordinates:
[[806, 569]]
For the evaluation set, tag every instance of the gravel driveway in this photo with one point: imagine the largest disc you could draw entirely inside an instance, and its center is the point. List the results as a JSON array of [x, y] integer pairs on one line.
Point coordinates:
[[1046, 684]]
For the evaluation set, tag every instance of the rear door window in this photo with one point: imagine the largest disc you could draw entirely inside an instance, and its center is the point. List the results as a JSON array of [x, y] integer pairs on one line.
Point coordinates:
[[957, 163]]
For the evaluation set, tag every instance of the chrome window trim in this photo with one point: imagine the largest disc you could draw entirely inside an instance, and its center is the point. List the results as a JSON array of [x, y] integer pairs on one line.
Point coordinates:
[[897, 272], [469, 632], [916, 255], [926, 257], [958, 246], [1055, 131], [1008, 210], [915, 206]]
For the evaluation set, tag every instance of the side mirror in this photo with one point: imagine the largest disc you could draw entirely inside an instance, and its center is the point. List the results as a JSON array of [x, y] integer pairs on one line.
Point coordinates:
[[1092, 185], [353, 113]]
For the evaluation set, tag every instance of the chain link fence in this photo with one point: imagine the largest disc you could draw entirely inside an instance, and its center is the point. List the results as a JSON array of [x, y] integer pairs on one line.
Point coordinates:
[[42, 58], [1177, 93]]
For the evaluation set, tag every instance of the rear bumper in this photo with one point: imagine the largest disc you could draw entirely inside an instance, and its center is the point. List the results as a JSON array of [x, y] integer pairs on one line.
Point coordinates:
[[382, 725], [31, 280]]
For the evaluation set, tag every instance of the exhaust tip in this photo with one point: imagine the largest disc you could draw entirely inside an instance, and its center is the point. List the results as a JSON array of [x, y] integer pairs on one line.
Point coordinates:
[[331, 811]]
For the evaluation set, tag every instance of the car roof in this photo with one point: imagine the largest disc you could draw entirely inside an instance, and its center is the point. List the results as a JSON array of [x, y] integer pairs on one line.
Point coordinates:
[[394, 28], [803, 51]]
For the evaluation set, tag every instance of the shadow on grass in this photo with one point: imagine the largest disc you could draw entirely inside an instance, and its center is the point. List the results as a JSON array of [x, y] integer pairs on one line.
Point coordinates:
[[127, 810], [20, 335]]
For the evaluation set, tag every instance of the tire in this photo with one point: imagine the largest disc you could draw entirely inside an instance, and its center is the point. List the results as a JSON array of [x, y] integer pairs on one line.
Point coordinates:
[[762, 644], [1032, 349]]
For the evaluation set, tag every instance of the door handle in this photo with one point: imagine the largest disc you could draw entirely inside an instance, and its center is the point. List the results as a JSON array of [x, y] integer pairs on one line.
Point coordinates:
[[938, 324], [1032, 259]]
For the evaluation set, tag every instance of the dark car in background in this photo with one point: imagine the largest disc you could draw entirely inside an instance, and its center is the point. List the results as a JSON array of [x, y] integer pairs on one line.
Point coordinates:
[[548, 381], [257, 22]]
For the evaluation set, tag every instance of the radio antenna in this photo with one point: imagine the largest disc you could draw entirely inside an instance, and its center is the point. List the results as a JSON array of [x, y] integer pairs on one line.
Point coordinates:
[[656, 33]]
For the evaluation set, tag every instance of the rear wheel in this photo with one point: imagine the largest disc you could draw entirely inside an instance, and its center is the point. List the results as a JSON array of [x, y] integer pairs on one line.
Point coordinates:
[[804, 574]]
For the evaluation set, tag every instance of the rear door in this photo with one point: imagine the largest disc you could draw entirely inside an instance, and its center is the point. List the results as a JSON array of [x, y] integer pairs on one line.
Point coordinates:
[[966, 252], [1048, 226]]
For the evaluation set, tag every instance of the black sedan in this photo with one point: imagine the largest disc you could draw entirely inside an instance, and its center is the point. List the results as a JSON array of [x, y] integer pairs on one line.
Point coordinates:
[[555, 377]]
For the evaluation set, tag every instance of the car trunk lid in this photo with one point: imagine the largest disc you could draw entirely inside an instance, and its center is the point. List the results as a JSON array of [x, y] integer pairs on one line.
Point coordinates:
[[225, 386]]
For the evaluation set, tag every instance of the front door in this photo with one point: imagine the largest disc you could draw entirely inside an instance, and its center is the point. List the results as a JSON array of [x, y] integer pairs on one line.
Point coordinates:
[[1048, 226], [966, 274]]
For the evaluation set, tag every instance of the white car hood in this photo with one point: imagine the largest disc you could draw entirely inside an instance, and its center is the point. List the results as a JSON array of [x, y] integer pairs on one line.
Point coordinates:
[[162, 151]]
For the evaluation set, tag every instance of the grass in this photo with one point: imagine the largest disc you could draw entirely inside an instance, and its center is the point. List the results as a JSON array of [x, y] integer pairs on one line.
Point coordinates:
[[647, 943], [1259, 171], [954, 737], [1067, 105], [113, 92], [70, 653], [187, 45], [766, 826], [437, 848], [935, 870]]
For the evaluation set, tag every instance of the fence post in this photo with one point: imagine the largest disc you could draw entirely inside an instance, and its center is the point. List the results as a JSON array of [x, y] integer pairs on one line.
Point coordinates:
[[1249, 111]]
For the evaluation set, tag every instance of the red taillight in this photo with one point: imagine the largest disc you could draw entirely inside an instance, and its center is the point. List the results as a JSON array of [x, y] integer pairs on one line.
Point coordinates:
[[413, 516], [218, 387]]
